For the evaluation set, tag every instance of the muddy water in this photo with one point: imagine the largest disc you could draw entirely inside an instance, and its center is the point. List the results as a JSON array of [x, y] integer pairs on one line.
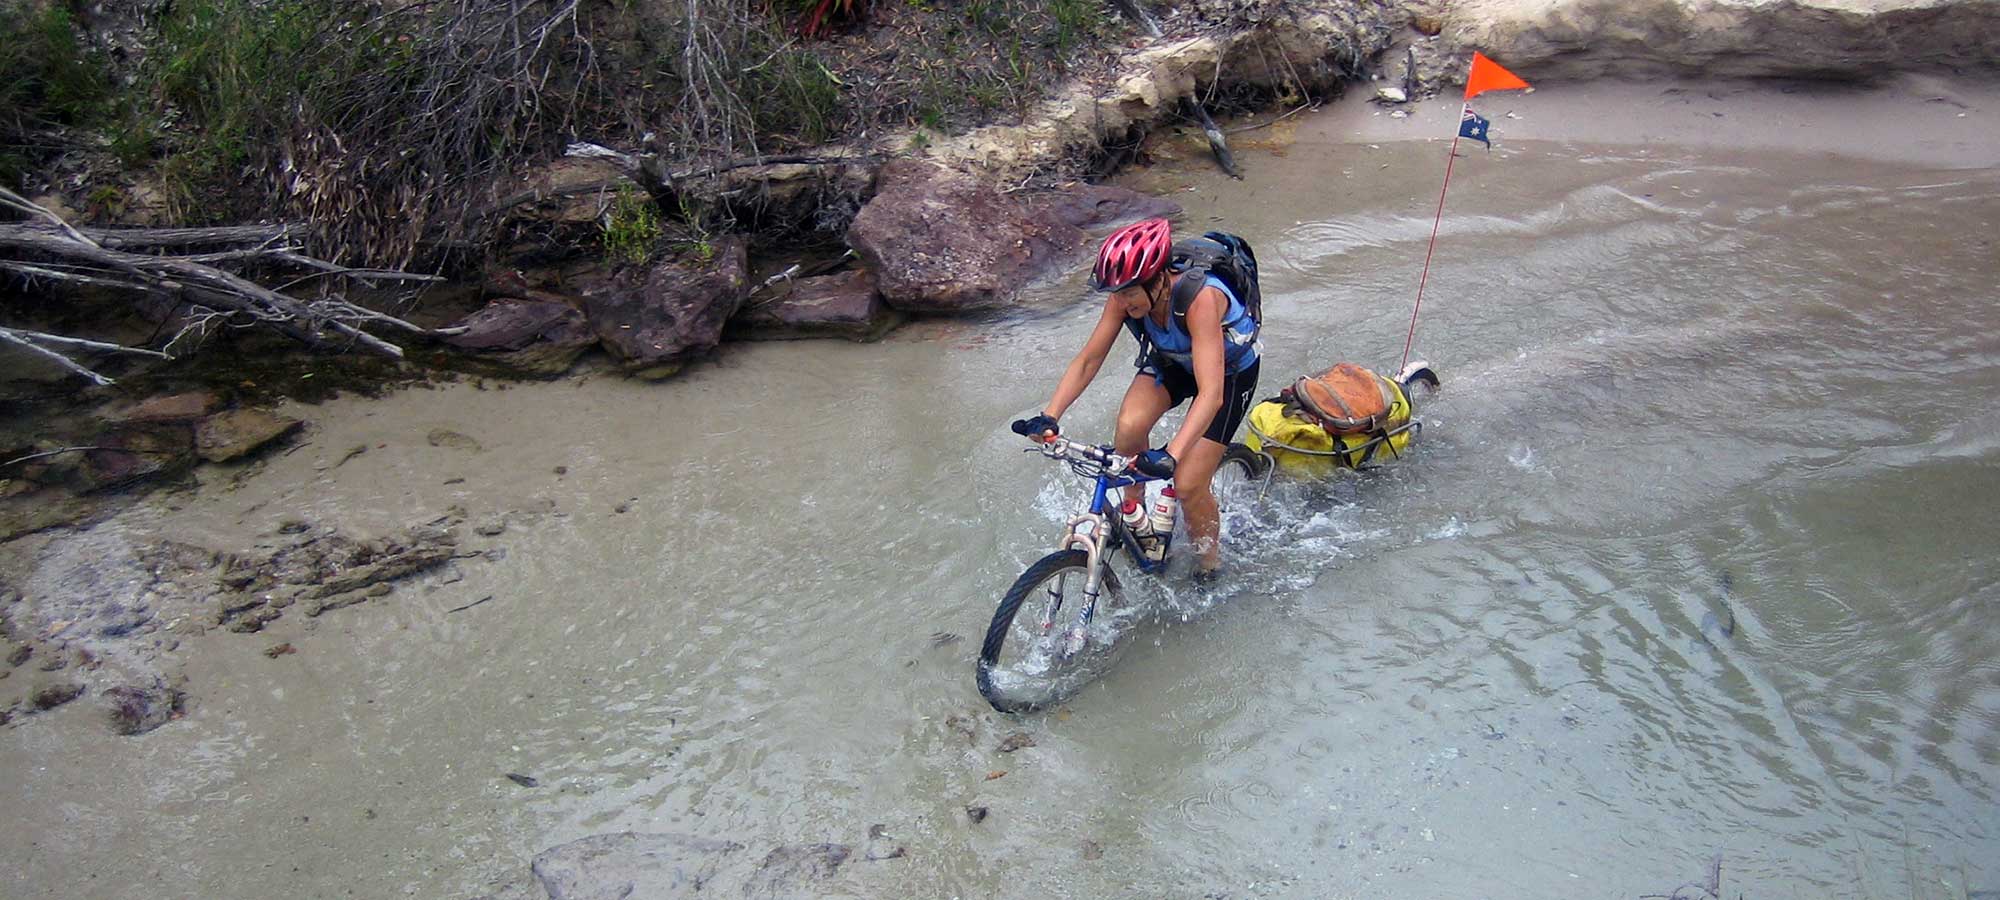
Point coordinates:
[[1681, 386]]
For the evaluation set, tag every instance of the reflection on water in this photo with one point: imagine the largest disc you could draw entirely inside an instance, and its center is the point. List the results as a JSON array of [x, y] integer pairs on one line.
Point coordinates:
[[1673, 389]]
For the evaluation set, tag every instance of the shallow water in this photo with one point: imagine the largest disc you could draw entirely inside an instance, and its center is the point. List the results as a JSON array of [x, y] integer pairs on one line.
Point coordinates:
[[1676, 384]]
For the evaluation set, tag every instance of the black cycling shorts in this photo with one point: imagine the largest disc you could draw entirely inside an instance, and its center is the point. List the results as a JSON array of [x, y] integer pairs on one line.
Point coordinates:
[[1238, 395]]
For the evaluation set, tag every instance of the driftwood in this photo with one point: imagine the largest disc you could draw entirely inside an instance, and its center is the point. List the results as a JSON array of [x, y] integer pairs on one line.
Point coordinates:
[[1217, 144], [651, 172], [46, 248], [1138, 15]]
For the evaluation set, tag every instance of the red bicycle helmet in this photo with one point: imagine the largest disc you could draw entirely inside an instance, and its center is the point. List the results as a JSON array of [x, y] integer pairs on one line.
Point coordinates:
[[1132, 254]]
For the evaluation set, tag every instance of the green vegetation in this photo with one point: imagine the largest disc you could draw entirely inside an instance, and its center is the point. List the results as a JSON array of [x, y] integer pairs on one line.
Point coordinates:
[[242, 72], [47, 80], [388, 128], [631, 228], [793, 93]]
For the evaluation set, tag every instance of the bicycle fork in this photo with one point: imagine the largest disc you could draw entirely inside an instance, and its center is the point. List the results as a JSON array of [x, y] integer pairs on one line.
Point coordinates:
[[1089, 532]]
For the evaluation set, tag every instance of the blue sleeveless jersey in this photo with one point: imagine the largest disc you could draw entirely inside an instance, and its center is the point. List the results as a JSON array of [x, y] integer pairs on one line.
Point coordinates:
[[1240, 346]]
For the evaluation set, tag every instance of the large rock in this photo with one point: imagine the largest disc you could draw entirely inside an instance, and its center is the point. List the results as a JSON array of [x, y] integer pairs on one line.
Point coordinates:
[[657, 319], [233, 433], [669, 866], [1094, 206], [941, 241], [843, 305], [528, 337], [182, 407]]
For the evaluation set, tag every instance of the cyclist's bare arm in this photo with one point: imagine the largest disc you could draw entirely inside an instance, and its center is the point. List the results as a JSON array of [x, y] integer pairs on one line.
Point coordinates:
[[1204, 325], [1083, 367]]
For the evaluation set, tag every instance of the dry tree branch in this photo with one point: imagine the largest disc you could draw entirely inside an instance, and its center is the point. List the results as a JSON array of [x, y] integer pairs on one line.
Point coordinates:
[[10, 336], [63, 253], [58, 452]]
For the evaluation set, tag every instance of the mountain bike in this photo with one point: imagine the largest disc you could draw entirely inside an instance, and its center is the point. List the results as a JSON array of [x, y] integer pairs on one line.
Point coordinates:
[[1041, 629]]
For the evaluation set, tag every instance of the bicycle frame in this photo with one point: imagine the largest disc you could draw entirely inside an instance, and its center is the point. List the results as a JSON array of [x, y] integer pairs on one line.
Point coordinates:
[[1097, 532]]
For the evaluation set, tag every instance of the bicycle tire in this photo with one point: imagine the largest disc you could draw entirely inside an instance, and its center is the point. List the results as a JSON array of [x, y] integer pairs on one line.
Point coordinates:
[[1254, 464], [1025, 587], [1238, 485]]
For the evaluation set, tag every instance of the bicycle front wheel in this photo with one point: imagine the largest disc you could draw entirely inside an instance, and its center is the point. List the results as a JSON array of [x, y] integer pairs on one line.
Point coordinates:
[[1025, 663]]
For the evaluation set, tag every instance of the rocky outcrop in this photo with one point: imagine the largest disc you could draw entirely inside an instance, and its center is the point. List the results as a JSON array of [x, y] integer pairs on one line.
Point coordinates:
[[656, 319], [941, 241], [531, 338], [845, 305], [1839, 39], [1282, 50]]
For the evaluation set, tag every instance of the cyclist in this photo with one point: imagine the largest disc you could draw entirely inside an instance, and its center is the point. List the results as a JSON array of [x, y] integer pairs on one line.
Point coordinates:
[[1210, 354]]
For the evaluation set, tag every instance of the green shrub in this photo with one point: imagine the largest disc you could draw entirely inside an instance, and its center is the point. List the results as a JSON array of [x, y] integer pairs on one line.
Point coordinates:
[[631, 228], [792, 93], [241, 73], [46, 79]]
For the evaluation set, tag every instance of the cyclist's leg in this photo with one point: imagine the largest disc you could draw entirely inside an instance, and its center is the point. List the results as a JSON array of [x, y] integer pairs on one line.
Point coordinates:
[[1193, 475], [1191, 483], [1145, 402]]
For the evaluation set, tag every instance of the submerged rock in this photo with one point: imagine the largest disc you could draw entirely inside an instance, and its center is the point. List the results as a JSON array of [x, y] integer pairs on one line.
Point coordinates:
[[133, 452], [632, 864], [54, 695], [667, 866], [232, 434], [137, 709]]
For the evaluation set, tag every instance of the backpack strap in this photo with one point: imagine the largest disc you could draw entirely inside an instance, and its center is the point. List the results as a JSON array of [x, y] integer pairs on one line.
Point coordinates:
[[1138, 330], [1193, 279]]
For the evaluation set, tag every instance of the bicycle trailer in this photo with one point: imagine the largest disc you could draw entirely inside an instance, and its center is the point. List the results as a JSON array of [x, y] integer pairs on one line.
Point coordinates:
[[1347, 417]]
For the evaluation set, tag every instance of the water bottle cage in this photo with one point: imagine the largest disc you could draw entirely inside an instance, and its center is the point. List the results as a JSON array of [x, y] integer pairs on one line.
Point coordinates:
[[1149, 545]]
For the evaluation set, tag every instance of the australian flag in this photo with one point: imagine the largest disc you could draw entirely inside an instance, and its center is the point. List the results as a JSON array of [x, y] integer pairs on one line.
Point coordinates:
[[1473, 125]]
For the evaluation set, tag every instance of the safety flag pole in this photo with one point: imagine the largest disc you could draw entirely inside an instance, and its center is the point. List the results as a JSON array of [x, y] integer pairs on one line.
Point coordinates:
[[1486, 75]]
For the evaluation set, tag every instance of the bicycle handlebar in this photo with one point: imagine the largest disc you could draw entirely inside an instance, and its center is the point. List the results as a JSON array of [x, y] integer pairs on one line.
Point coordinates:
[[1063, 448]]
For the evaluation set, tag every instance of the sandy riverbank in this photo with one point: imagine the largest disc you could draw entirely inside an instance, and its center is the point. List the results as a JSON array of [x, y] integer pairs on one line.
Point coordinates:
[[1923, 120]]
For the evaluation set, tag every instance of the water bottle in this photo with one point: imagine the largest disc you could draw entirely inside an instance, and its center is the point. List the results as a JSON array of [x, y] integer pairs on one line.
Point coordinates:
[[1162, 522], [1137, 521]]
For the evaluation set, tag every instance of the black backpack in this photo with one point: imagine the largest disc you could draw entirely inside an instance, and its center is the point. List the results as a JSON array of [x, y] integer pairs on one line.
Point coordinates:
[[1217, 253]]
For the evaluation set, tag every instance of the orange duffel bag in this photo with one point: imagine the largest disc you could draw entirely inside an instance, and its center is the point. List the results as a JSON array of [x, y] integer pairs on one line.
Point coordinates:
[[1346, 399]]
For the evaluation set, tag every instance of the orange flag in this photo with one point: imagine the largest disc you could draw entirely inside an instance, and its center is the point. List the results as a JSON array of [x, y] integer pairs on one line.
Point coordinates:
[[1487, 75]]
